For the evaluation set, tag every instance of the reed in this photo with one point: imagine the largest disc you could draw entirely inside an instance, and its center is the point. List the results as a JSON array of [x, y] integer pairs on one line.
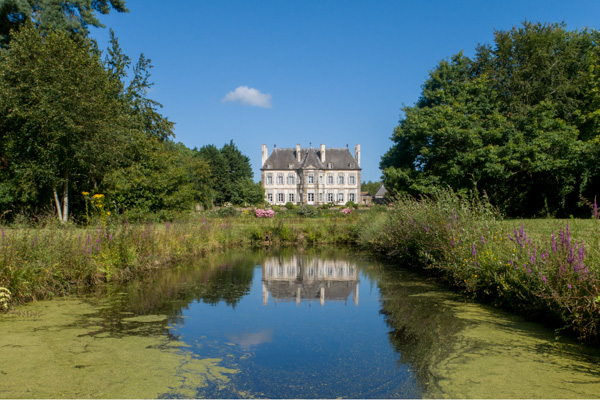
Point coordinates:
[[549, 273]]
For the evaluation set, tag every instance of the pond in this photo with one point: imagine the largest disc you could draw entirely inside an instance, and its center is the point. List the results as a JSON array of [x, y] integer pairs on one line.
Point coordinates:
[[285, 324]]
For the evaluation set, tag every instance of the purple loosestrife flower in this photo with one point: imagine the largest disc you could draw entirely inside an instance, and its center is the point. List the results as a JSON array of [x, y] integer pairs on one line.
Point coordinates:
[[544, 279], [473, 251], [482, 239], [522, 230]]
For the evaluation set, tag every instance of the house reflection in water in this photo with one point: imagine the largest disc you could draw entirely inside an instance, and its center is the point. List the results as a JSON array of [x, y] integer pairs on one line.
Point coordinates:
[[308, 279]]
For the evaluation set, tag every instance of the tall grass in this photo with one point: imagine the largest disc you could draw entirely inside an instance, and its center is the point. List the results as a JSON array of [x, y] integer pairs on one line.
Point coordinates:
[[548, 274], [38, 263]]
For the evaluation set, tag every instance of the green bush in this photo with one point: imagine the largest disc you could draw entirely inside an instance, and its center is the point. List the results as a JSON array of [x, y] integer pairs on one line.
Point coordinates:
[[307, 211], [290, 206], [228, 212], [352, 204]]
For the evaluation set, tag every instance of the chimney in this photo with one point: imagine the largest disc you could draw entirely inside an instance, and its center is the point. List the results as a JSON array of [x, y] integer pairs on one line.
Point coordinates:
[[357, 154], [265, 154], [322, 153], [298, 155]]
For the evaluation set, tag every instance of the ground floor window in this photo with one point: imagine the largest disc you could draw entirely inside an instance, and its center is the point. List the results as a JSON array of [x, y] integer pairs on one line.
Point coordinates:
[[270, 197], [291, 197], [352, 197], [330, 197], [280, 197], [311, 197], [321, 197], [341, 197]]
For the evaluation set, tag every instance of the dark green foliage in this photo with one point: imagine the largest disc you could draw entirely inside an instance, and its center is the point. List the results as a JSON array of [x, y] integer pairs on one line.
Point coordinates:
[[232, 176], [517, 122], [370, 187], [73, 16], [71, 122], [228, 212], [307, 211], [351, 204], [58, 121]]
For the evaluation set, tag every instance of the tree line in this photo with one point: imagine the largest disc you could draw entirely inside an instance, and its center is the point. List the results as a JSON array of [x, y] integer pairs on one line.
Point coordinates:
[[75, 119], [519, 122]]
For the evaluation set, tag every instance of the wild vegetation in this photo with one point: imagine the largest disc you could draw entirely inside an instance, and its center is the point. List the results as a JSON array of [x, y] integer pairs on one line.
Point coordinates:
[[516, 127], [545, 272], [74, 120], [45, 261], [518, 121]]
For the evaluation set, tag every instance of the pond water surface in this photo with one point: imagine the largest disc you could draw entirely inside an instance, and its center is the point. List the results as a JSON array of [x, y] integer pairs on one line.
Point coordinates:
[[289, 324]]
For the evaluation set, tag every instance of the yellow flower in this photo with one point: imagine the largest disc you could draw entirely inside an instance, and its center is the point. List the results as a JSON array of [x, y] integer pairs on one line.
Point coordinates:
[[98, 196], [85, 193], [108, 213]]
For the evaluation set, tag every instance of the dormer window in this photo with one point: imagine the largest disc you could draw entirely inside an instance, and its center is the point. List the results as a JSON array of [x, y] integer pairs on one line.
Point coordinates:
[[290, 165], [330, 165], [269, 166], [351, 165]]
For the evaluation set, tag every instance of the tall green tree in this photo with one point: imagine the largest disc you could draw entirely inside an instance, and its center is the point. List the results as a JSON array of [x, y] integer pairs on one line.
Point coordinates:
[[74, 16], [518, 122], [167, 177], [218, 167], [58, 121], [232, 175]]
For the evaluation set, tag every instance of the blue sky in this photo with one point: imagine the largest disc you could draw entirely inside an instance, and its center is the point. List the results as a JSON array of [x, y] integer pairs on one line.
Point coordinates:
[[329, 71]]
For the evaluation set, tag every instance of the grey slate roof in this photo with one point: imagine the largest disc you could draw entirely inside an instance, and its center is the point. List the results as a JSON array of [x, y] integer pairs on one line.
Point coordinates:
[[282, 158], [381, 192]]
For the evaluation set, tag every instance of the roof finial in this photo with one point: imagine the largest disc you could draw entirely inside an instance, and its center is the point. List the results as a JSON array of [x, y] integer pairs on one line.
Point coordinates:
[[274, 146], [310, 144]]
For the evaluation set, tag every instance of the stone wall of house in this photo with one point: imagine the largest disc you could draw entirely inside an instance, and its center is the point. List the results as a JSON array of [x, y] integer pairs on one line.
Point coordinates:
[[311, 175]]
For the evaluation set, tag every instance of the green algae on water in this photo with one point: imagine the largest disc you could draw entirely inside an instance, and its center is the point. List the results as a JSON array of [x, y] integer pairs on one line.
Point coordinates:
[[52, 349]]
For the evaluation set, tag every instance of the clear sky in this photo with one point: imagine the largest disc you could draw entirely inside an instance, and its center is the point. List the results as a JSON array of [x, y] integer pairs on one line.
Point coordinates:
[[313, 71]]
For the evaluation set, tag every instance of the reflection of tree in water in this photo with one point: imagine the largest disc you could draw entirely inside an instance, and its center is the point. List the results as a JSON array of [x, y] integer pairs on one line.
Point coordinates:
[[211, 279], [422, 325]]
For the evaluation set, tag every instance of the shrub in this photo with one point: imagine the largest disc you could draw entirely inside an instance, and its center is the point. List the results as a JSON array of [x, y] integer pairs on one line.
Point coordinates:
[[260, 213], [307, 211], [228, 212], [351, 204], [465, 239], [290, 206]]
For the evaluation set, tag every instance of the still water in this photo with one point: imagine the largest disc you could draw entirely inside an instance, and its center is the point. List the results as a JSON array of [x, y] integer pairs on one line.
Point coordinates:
[[290, 324]]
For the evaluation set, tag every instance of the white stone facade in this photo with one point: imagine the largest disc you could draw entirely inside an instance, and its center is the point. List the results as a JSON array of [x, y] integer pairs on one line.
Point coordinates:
[[311, 176]]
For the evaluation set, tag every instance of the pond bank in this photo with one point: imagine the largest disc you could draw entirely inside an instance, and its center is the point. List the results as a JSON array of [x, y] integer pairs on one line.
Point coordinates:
[[231, 325], [465, 242]]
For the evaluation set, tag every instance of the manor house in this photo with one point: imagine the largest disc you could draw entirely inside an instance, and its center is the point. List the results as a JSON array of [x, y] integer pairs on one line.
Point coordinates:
[[311, 175]]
